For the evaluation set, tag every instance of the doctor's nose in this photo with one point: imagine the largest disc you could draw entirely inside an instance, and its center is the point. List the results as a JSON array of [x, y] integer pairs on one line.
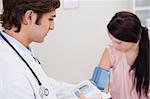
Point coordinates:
[[51, 26]]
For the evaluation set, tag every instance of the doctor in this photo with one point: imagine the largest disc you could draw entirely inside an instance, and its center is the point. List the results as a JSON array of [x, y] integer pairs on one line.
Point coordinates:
[[21, 75]]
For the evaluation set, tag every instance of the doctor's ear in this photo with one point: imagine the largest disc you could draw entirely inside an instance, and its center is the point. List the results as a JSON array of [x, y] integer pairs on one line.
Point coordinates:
[[29, 17]]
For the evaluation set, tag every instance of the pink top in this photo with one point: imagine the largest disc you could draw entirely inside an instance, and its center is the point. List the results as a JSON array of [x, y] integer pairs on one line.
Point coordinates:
[[121, 86]]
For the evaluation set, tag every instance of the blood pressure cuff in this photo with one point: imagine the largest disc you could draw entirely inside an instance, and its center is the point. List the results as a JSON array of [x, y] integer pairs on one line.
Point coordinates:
[[100, 77]]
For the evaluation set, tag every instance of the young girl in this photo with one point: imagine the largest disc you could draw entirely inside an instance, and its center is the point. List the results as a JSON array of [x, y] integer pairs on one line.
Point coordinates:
[[127, 56]]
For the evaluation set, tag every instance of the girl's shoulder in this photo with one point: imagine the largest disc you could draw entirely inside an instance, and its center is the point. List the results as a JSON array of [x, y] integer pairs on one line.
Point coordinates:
[[114, 54]]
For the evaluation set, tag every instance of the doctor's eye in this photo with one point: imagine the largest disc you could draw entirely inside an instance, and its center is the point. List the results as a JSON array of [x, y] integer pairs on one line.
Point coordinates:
[[51, 19]]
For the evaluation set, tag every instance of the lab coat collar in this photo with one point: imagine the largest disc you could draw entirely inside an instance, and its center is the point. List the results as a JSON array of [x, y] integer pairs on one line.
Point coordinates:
[[18, 45]]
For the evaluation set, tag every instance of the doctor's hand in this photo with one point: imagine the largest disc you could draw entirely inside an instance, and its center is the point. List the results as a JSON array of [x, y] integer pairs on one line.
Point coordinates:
[[83, 97]]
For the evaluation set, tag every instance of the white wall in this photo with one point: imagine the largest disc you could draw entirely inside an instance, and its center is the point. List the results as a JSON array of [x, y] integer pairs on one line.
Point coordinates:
[[72, 50]]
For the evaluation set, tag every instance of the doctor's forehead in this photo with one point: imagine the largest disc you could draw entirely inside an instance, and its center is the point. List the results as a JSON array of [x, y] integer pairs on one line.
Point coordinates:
[[52, 14]]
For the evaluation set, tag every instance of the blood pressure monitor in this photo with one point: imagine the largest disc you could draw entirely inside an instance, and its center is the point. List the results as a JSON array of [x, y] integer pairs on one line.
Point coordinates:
[[87, 89], [94, 89]]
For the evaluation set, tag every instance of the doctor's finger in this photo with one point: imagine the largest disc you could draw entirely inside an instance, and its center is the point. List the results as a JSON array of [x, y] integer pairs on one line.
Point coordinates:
[[82, 97]]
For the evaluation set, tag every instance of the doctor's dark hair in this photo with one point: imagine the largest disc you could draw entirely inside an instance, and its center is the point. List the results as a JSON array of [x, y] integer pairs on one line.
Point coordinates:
[[14, 10], [126, 26]]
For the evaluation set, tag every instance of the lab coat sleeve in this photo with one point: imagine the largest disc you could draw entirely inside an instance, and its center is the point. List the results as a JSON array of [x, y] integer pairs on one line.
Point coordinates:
[[62, 89], [15, 87]]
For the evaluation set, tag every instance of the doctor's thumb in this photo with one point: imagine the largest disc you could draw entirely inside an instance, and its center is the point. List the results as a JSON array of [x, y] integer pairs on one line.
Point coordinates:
[[82, 96]]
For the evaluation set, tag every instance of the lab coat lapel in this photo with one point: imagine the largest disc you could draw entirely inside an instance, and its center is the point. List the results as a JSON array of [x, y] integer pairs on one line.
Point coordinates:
[[36, 67]]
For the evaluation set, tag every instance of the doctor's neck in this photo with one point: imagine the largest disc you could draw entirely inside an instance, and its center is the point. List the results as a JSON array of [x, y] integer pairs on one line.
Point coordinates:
[[19, 36]]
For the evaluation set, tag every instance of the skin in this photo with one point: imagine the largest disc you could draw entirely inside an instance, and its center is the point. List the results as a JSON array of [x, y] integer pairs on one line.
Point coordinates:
[[123, 46], [83, 97], [31, 32]]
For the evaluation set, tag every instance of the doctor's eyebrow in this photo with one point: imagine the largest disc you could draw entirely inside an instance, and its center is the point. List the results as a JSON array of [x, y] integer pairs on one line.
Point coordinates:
[[53, 16]]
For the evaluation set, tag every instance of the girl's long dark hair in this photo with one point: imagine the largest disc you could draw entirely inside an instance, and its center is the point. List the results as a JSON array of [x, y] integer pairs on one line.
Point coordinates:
[[126, 26]]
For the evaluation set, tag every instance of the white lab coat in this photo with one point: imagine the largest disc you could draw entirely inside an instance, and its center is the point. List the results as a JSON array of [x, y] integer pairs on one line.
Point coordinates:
[[18, 82]]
